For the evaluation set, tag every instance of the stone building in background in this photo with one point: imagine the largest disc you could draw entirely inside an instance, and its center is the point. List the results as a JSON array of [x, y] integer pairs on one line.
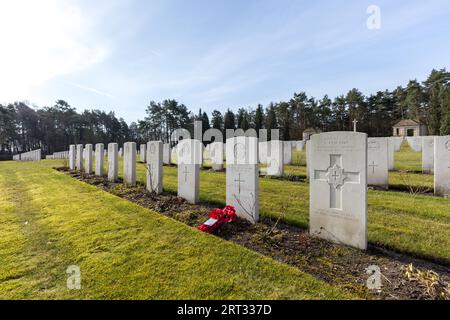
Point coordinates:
[[307, 133], [409, 128]]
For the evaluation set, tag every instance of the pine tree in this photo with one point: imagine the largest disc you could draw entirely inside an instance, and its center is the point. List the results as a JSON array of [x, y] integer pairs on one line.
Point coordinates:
[[205, 122], [259, 118], [445, 102], [434, 86], [217, 120], [229, 120], [271, 120], [240, 117], [414, 100]]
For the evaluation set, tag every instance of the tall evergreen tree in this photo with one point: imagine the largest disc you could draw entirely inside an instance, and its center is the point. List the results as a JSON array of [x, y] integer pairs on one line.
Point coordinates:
[[259, 118], [445, 102], [414, 100], [284, 120], [434, 86], [217, 120], [205, 122], [229, 120]]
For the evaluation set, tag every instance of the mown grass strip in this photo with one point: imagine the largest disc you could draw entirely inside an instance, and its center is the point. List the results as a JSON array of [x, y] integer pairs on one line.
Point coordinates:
[[124, 251]]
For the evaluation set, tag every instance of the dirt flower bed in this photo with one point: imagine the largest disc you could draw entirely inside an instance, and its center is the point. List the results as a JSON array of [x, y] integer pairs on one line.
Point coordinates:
[[402, 277]]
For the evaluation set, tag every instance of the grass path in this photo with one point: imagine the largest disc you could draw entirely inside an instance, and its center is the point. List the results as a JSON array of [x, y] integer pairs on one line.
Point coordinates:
[[49, 221]]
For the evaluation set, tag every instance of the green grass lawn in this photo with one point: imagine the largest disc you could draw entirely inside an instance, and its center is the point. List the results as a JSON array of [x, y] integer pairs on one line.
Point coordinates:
[[407, 159], [50, 221]]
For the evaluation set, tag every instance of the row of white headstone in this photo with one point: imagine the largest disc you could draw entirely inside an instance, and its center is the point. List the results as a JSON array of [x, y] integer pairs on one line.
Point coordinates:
[[381, 157], [435, 159], [242, 172], [34, 155], [215, 153], [338, 168], [424, 144], [62, 155]]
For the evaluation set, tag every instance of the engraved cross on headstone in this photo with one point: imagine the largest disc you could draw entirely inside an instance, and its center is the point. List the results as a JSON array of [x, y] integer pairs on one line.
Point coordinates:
[[186, 172], [337, 178], [239, 182], [373, 165]]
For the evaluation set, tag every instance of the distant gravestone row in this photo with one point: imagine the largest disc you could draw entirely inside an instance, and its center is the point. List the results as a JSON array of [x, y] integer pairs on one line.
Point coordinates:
[[435, 159], [63, 155], [34, 155]]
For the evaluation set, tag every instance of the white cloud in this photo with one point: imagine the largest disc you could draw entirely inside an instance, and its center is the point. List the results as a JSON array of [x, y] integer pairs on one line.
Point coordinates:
[[90, 89], [40, 40]]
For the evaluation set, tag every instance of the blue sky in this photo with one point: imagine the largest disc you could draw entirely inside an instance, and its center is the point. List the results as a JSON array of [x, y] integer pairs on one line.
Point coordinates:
[[119, 55]]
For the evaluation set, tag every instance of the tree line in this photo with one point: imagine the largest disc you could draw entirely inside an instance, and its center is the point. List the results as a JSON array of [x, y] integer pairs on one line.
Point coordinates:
[[24, 128]]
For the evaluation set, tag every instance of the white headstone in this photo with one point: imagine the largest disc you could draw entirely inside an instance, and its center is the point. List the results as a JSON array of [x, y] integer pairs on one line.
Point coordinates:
[[415, 143], [155, 166], [173, 155], [275, 161], [189, 160], [442, 166], [207, 154], [391, 154], [88, 158], [79, 157], [143, 152], [99, 159], [72, 156], [377, 161], [113, 161], [262, 152], [308, 153], [201, 154], [121, 152], [398, 141], [129, 163], [216, 152], [242, 177], [338, 187], [287, 149], [166, 154], [299, 145], [428, 154]]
